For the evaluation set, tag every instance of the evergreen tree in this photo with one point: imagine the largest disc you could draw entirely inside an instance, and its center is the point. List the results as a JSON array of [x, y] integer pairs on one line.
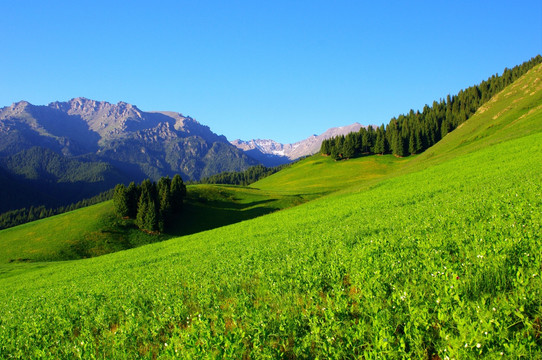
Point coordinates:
[[349, 149], [148, 207], [142, 210], [419, 141], [164, 194], [398, 145], [120, 200], [412, 143], [371, 139], [178, 193], [337, 152], [133, 193], [152, 217], [356, 140], [379, 147], [365, 147], [324, 149]]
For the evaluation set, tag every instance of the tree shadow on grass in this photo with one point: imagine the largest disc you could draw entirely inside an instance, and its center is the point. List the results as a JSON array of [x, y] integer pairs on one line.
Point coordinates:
[[197, 217]]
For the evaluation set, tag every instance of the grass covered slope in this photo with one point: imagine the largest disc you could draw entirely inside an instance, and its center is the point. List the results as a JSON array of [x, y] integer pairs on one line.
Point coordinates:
[[96, 230], [424, 264], [440, 262], [318, 175], [52, 238], [513, 113]]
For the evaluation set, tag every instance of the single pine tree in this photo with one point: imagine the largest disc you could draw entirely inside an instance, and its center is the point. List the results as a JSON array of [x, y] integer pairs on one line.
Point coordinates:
[[120, 200]]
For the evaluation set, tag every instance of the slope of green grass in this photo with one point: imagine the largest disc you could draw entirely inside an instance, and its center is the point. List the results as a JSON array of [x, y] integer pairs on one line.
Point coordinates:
[[51, 238], [318, 175], [95, 230], [440, 261], [511, 114], [422, 264]]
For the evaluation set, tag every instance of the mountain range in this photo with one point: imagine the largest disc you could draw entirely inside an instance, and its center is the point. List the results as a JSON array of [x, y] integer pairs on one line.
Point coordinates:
[[65, 151]]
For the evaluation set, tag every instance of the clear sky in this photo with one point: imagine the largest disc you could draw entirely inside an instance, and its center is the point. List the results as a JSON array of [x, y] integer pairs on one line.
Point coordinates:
[[262, 69]]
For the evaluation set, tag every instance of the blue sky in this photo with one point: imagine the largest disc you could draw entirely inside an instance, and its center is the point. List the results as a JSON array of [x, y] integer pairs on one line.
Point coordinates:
[[262, 69]]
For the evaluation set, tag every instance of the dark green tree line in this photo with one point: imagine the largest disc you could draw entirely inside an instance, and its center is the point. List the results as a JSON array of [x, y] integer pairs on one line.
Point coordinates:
[[416, 131], [150, 204], [244, 178], [24, 215]]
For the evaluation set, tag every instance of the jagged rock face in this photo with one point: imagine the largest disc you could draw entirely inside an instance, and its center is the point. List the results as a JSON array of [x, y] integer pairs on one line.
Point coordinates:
[[102, 117], [271, 151], [144, 144]]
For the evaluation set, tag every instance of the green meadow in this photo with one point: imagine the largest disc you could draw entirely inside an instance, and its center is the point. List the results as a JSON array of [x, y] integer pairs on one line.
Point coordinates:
[[96, 230], [318, 175], [435, 256]]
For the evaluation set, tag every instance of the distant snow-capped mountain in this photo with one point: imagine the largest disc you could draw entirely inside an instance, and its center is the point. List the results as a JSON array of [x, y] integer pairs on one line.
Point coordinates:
[[272, 153]]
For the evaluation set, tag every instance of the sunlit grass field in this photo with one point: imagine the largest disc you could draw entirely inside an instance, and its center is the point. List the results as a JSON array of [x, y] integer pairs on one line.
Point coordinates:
[[96, 230], [439, 258], [319, 175]]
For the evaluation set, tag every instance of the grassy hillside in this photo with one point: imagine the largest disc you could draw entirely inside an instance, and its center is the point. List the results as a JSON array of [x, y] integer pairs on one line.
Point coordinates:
[[95, 230], [319, 175], [511, 114], [441, 260], [51, 238]]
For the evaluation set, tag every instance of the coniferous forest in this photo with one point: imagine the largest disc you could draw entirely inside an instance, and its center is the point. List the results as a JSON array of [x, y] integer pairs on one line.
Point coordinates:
[[416, 131], [244, 178], [24, 215], [151, 204]]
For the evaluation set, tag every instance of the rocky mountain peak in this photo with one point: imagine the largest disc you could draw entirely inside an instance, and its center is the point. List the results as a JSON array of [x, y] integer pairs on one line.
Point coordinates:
[[18, 107], [90, 108]]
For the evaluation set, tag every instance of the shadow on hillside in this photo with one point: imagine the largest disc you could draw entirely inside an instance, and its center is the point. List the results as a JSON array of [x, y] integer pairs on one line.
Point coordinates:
[[197, 216], [202, 216], [229, 205]]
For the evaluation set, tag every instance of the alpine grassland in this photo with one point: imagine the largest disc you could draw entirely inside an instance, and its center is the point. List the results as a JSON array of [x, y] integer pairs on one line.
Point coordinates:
[[96, 230], [436, 257], [318, 175]]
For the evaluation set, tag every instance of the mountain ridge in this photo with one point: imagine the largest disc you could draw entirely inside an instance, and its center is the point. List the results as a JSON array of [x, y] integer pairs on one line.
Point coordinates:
[[87, 127], [109, 142]]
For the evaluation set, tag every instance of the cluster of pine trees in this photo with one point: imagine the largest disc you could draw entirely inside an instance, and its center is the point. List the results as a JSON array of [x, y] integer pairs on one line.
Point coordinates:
[[244, 178], [150, 204], [24, 215], [416, 131]]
